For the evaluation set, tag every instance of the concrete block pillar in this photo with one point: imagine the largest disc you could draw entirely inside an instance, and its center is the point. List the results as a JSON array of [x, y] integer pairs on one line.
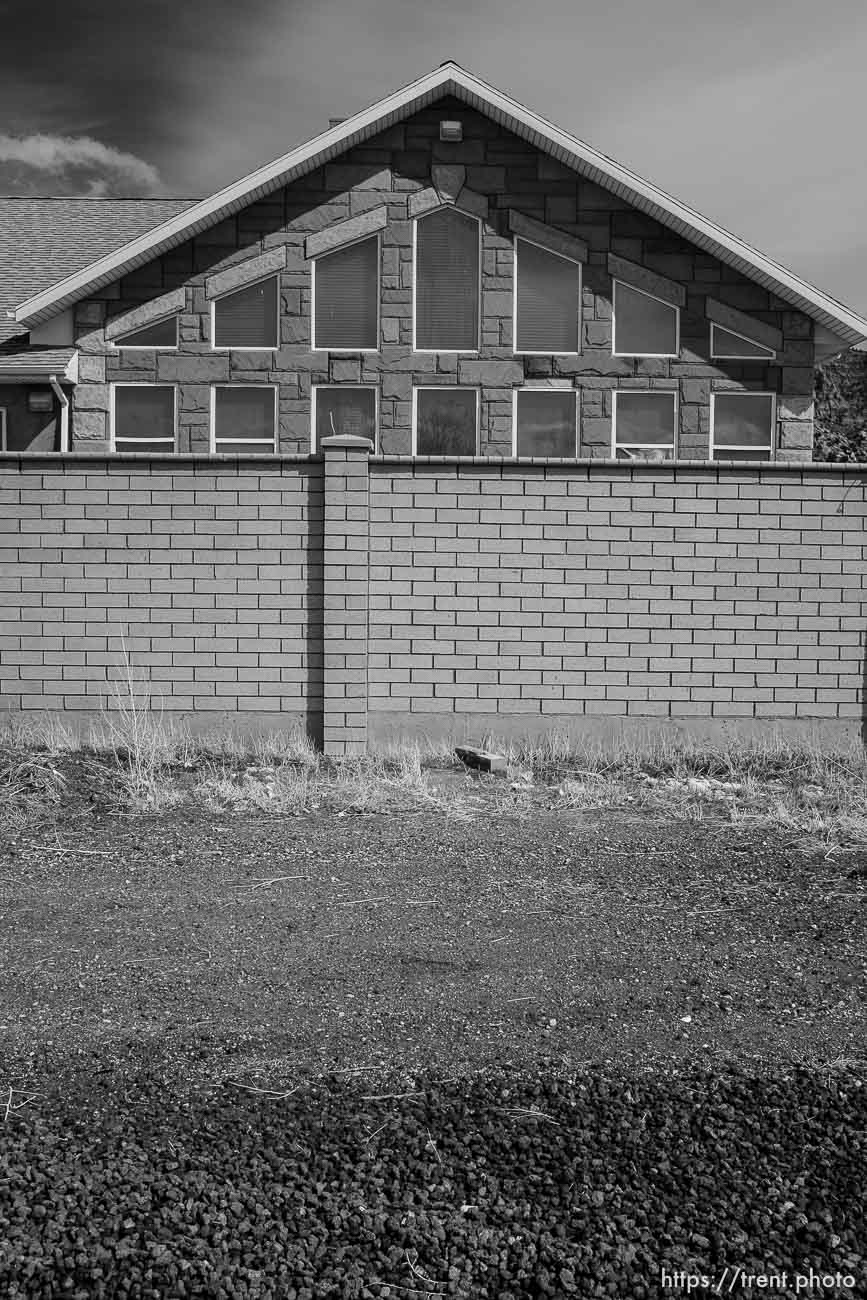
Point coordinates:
[[345, 591]]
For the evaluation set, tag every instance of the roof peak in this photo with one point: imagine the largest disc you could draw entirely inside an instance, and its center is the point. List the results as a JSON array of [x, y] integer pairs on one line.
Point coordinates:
[[512, 116]]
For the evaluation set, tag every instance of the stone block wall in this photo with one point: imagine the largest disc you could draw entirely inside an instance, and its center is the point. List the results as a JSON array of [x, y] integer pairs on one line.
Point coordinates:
[[500, 173]]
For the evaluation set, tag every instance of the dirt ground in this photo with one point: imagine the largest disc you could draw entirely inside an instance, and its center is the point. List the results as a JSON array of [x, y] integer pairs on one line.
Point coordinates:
[[265, 949]]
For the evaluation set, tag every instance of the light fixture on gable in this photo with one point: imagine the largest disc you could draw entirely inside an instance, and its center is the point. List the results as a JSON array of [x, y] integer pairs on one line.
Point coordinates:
[[451, 132]]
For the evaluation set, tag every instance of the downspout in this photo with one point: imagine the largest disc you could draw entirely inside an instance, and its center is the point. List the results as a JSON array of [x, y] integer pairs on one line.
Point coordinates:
[[64, 412]]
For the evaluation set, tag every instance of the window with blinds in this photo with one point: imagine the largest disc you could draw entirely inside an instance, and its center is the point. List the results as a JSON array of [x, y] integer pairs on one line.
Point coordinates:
[[644, 326], [343, 410], [446, 422], [143, 417], [346, 298], [244, 418], [548, 300], [742, 426], [645, 425], [446, 317], [546, 422], [728, 346], [159, 334], [247, 318]]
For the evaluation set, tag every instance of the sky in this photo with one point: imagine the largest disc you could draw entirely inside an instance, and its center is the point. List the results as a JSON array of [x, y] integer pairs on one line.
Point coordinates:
[[751, 113]]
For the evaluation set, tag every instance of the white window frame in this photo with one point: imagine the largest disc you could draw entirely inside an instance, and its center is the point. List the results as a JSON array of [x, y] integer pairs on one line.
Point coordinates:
[[212, 422], [547, 388], [317, 387], [445, 351], [117, 346], [635, 289], [271, 275], [747, 392], [361, 240], [645, 446], [443, 388], [2, 428], [113, 414], [723, 356], [573, 262]]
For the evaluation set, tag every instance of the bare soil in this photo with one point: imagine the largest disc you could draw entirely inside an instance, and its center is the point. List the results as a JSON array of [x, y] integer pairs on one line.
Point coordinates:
[[266, 949]]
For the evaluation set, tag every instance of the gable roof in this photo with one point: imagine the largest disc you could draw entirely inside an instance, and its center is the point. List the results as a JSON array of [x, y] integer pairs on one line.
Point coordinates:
[[451, 79], [44, 240]]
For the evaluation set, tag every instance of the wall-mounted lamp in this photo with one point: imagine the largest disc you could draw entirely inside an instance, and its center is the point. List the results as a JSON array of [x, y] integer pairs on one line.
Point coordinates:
[[42, 400]]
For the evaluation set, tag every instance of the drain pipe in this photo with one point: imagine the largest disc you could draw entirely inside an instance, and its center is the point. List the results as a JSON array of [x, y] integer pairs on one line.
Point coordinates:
[[64, 412]]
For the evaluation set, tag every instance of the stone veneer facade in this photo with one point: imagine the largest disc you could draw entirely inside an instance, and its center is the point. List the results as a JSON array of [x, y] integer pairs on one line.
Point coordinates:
[[394, 170]]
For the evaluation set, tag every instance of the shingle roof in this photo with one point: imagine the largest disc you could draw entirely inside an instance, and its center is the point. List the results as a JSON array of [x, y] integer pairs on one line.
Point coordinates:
[[46, 361], [42, 240]]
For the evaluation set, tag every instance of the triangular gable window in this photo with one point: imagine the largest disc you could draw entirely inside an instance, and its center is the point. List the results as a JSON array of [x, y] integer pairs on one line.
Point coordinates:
[[159, 334], [725, 345], [247, 317], [644, 325]]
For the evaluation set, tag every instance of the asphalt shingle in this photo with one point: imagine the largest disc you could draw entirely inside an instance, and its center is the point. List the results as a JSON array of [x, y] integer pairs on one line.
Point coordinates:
[[36, 360], [42, 240]]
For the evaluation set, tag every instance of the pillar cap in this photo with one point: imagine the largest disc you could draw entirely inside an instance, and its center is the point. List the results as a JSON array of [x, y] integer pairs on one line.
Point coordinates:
[[350, 440]]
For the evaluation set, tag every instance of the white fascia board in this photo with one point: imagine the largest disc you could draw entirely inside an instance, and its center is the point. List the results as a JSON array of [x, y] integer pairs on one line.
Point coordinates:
[[451, 79]]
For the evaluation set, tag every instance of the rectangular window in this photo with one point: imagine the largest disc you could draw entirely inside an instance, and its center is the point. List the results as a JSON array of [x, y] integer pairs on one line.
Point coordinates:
[[546, 422], [742, 426], [343, 410], [247, 318], [159, 334], [143, 417], [446, 422], [346, 298], [244, 418], [447, 286], [547, 300], [644, 425], [644, 326], [725, 345]]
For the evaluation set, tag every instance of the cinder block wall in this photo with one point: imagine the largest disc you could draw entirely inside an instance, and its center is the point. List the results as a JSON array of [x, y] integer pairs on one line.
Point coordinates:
[[368, 597], [531, 595], [211, 571], [390, 170]]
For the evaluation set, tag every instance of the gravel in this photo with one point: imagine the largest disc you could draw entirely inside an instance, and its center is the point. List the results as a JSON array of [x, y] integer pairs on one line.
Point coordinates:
[[493, 1186], [651, 1032]]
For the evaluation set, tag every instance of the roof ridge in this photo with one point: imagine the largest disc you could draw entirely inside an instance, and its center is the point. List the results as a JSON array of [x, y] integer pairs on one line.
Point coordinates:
[[451, 79]]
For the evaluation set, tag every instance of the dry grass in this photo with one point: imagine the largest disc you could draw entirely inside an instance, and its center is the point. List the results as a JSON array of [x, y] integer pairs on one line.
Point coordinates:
[[386, 783], [30, 786], [817, 794], [813, 794]]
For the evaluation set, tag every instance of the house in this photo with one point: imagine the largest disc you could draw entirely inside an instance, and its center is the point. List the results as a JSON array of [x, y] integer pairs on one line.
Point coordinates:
[[446, 271], [43, 240], [451, 283]]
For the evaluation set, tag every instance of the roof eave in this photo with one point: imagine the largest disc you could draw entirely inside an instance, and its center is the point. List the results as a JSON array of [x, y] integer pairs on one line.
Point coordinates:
[[450, 78], [29, 371], [226, 202]]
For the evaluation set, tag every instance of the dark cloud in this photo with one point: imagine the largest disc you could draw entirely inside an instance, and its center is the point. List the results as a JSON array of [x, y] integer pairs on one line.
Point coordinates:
[[126, 76]]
